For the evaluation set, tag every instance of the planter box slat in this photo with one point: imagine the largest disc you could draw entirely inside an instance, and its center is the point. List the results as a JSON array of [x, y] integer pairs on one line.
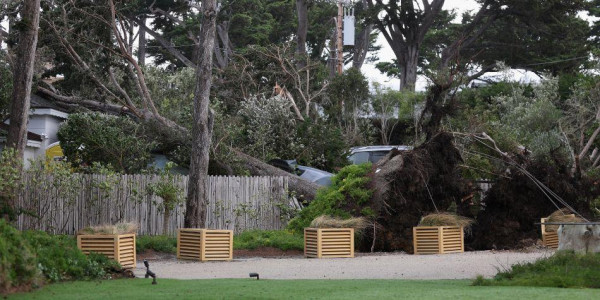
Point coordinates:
[[204, 244], [328, 242], [118, 247], [549, 238], [438, 239]]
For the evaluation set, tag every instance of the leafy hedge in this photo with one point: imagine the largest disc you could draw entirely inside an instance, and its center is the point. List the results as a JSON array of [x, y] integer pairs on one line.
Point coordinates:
[[279, 239], [349, 195], [30, 258]]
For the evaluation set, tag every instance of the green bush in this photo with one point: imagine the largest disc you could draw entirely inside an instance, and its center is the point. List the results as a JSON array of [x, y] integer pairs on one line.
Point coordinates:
[[158, 243], [29, 258], [564, 269], [17, 261], [279, 239], [349, 195], [116, 142], [59, 259]]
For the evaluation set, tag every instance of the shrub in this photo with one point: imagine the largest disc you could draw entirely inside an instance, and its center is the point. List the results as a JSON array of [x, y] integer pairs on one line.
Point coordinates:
[[29, 258], [564, 269], [349, 195], [118, 142], [158, 243], [280, 239], [17, 261], [59, 259]]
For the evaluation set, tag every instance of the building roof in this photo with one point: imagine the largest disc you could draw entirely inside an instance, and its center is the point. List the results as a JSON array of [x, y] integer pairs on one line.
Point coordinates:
[[39, 102]]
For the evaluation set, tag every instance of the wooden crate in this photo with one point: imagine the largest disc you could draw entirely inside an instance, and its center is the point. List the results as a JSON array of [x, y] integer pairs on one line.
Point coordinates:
[[328, 242], [550, 238], [204, 244], [438, 239], [120, 247]]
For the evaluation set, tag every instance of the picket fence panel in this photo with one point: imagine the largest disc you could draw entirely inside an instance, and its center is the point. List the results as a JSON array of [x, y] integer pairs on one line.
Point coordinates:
[[64, 205]]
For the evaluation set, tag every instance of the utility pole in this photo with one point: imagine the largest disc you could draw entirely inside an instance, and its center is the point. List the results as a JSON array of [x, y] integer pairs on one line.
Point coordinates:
[[339, 44]]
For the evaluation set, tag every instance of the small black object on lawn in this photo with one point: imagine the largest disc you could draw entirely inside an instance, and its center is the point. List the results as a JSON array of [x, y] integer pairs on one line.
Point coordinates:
[[254, 275], [149, 273]]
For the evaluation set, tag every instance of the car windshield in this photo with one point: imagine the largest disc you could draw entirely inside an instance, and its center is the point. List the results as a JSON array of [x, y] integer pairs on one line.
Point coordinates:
[[377, 155], [359, 158]]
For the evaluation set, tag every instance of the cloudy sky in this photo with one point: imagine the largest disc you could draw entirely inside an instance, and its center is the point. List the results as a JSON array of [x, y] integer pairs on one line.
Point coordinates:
[[386, 54]]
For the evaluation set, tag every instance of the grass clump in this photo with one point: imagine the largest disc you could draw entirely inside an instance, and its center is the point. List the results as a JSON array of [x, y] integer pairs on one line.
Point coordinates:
[[565, 269], [562, 215], [119, 228], [359, 223], [158, 243], [279, 239], [446, 219], [349, 195]]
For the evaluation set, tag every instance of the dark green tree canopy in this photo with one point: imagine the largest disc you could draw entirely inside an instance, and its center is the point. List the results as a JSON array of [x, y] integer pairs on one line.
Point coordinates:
[[117, 142]]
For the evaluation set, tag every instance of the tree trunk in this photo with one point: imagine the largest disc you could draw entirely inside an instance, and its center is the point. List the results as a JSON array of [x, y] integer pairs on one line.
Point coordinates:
[[23, 75], [304, 189], [166, 218], [21, 95], [142, 43], [408, 68], [362, 47], [302, 9], [195, 215]]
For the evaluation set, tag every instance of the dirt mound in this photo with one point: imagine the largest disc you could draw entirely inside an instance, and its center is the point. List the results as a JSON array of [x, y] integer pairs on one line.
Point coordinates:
[[514, 204], [405, 184]]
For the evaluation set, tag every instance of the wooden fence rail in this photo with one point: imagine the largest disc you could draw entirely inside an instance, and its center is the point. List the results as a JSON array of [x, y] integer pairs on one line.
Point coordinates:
[[68, 203]]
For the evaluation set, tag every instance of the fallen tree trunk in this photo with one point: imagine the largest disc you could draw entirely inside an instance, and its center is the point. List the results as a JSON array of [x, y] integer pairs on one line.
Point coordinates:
[[305, 190]]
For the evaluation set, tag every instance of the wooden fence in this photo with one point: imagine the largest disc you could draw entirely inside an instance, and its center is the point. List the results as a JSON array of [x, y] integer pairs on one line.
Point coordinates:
[[68, 203]]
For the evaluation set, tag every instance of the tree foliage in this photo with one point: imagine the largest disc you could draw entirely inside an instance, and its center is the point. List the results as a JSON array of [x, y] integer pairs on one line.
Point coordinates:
[[117, 142]]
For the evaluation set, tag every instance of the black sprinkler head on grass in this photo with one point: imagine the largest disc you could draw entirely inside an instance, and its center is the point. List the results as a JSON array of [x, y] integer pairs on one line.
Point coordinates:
[[254, 275]]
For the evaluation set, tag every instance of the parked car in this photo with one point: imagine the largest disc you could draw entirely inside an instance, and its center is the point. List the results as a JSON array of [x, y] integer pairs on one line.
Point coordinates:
[[363, 154], [317, 176]]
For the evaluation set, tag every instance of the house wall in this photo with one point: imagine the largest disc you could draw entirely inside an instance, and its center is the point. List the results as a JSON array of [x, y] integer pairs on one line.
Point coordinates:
[[45, 125], [29, 154]]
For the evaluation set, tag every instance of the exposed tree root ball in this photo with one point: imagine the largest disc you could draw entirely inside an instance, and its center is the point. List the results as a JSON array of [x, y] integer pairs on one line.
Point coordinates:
[[513, 205], [407, 184]]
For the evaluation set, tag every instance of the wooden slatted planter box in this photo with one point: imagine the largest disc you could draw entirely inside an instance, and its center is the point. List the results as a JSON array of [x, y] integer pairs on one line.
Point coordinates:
[[204, 244], [438, 239], [120, 247], [549, 238], [328, 242]]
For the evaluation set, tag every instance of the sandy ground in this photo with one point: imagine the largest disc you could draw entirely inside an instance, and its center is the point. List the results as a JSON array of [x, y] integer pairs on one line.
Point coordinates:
[[367, 266]]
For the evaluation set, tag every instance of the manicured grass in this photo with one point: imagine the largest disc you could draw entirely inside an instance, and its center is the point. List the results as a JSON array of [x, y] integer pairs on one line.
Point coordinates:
[[564, 269], [297, 289]]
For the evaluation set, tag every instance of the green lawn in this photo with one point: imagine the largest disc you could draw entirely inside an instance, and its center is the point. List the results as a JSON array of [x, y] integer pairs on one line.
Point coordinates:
[[297, 289]]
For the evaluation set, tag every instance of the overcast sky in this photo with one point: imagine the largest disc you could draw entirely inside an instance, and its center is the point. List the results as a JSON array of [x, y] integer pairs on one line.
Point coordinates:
[[386, 54]]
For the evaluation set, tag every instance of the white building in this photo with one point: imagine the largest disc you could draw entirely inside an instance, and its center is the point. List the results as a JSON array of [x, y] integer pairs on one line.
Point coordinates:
[[44, 121]]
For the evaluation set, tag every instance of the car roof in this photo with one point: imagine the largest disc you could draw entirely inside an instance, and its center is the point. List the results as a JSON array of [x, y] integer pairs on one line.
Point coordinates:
[[380, 148]]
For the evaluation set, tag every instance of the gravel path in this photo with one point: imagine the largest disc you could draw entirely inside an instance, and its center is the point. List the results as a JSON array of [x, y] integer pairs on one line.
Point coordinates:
[[368, 266]]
